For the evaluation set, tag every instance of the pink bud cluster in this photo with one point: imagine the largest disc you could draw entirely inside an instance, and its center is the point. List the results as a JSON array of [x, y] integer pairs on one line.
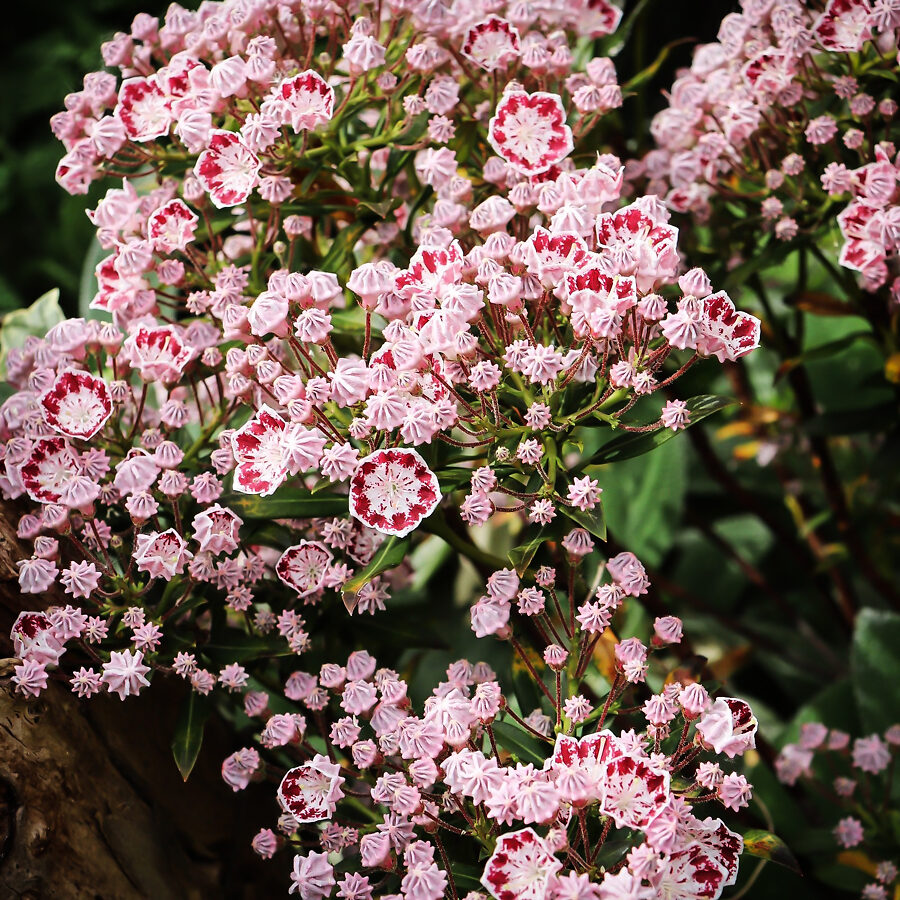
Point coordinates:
[[790, 113]]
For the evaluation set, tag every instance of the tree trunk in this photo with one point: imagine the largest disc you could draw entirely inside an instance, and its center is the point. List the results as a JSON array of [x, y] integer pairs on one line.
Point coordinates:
[[91, 802]]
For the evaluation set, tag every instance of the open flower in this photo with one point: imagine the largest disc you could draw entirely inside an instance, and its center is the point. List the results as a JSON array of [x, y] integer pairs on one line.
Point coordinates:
[[310, 792], [50, 467], [303, 567], [228, 169], [393, 490], [261, 453], [77, 405], [529, 131], [520, 867]]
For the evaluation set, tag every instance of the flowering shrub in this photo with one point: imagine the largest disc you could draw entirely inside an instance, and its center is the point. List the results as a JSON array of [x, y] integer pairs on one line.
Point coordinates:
[[374, 292], [789, 118]]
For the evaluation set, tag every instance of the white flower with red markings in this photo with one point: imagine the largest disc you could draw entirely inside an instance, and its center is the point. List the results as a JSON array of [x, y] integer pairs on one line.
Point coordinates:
[[599, 18], [34, 638], [635, 790], [303, 567], [305, 101], [721, 843], [492, 44], [529, 131], [728, 727], [310, 792], [844, 26], [520, 867], [689, 874], [393, 490], [725, 332], [77, 405], [158, 354], [50, 467], [172, 226], [143, 109], [161, 554], [261, 452], [216, 529], [634, 242], [228, 169]]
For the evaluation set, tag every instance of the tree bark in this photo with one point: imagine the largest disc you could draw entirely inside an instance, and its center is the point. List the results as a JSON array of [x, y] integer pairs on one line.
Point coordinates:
[[91, 802]]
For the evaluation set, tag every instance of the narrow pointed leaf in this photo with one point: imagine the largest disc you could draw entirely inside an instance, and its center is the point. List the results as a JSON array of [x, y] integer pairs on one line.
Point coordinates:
[[391, 553], [769, 846], [188, 736], [286, 503], [591, 520], [518, 742], [629, 445], [522, 556]]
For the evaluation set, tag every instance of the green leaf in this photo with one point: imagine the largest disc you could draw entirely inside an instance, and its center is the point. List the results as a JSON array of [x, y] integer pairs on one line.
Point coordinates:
[[590, 519], [522, 555], [235, 646], [188, 736], [875, 668], [33, 321], [630, 445], [523, 746], [643, 500], [286, 503], [390, 554], [646, 74], [769, 846], [823, 351]]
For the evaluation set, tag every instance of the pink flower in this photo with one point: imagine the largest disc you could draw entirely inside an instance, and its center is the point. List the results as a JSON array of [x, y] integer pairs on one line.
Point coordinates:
[[30, 678], [216, 530], [238, 768], [305, 101], [520, 867], [143, 109], [313, 877], [227, 169], [871, 754], [849, 832], [310, 792], [492, 43], [172, 226], [162, 554], [529, 131], [50, 467], [844, 26], [261, 453], [124, 673], [734, 791], [158, 353], [77, 405], [584, 493], [303, 567], [728, 727], [265, 843], [393, 490], [675, 415]]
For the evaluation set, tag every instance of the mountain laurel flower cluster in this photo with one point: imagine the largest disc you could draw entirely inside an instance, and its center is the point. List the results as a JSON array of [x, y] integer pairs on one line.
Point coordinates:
[[793, 109], [368, 285], [855, 775], [578, 806]]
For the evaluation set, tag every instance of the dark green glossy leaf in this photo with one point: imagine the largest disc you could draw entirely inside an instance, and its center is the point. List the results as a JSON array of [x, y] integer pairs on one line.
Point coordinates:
[[769, 846], [188, 736], [286, 503], [235, 646], [522, 555], [591, 520], [823, 351], [390, 554], [630, 445], [523, 746], [875, 668]]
